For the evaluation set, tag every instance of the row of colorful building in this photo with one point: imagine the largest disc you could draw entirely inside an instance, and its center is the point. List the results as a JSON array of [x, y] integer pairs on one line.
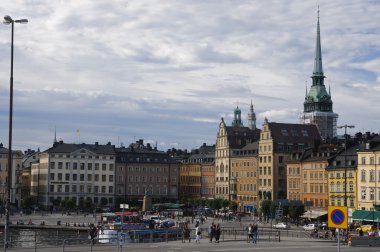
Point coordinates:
[[305, 161]]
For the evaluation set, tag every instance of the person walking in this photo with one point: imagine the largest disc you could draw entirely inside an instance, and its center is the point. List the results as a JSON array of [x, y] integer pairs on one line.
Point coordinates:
[[217, 233], [254, 233], [250, 230], [197, 235], [186, 233], [211, 231]]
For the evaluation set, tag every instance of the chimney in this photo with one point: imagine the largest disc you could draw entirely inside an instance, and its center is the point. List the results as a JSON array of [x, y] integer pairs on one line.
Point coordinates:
[[96, 143]]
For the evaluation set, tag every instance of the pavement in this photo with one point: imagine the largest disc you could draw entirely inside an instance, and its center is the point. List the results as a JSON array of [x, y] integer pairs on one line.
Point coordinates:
[[287, 244]]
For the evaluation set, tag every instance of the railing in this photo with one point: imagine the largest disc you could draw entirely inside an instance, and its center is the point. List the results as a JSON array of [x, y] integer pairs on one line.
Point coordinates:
[[34, 241]]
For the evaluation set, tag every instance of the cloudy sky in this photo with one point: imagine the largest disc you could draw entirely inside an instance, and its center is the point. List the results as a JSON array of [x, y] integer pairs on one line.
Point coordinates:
[[166, 71]]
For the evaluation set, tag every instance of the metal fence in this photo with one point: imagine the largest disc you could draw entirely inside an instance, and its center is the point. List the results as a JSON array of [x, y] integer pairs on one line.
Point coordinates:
[[33, 242]]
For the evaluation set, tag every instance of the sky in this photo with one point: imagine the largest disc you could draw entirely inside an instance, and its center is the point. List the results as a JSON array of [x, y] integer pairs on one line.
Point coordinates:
[[167, 71]]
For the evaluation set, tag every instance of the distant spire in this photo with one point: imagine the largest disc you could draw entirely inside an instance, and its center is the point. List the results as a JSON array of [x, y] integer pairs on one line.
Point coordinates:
[[55, 135], [251, 118], [329, 89], [306, 88], [318, 69]]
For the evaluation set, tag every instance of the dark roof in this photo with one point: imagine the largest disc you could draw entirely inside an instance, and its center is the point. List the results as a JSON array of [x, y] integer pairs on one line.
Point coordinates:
[[350, 156], [131, 155], [61, 147], [294, 133], [238, 137]]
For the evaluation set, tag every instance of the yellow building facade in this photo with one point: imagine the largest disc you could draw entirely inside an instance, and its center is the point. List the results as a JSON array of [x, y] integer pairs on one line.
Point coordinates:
[[341, 171], [368, 178], [244, 177]]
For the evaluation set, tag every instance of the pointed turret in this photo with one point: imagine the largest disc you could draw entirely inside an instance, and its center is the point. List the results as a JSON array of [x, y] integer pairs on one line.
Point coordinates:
[[318, 69], [237, 118], [318, 106], [251, 118]]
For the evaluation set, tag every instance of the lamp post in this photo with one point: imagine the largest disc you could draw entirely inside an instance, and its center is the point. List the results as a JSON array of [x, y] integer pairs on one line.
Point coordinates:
[[8, 20], [345, 159]]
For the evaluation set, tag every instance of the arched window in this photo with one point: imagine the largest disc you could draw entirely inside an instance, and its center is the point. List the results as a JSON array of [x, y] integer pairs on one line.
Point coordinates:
[[332, 188]]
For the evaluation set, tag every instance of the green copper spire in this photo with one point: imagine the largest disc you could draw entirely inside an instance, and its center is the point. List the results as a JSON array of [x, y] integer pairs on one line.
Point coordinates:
[[237, 118], [318, 69], [318, 99]]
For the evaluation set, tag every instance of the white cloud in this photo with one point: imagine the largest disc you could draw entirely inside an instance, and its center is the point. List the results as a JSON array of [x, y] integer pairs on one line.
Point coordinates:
[[167, 70]]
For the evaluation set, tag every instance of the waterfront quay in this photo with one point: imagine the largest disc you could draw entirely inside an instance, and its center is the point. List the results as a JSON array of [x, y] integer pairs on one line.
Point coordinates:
[[233, 240]]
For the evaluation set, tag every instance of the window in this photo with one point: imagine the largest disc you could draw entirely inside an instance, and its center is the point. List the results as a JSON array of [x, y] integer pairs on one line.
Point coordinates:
[[371, 193], [363, 193], [59, 176], [89, 166], [363, 175], [96, 166], [74, 188], [51, 188], [332, 188], [104, 167], [110, 189], [89, 177], [363, 160], [67, 176], [74, 177], [103, 189], [111, 167], [82, 166], [67, 165], [110, 178], [371, 160], [75, 166], [104, 178], [52, 176], [67, 188], [371, 175], [52, 165], [60, 165], [81, 177], [96, 177], [338, 186]]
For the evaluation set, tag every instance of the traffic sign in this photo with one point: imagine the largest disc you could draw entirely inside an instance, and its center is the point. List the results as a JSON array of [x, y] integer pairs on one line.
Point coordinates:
[[337, 217]]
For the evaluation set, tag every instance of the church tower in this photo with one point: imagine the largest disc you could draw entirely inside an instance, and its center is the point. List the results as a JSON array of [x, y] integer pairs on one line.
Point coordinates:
[[318, 106], [237, 118], [251, 118]]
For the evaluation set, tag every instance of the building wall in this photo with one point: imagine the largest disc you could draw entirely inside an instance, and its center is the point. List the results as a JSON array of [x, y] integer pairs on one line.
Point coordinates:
[[314, 184], [190, 181], [244, 171], [336, 185], [16, 176], [78, 175], [222, 164], [294, 181], [266, 173], [368, 179], [208, 180]]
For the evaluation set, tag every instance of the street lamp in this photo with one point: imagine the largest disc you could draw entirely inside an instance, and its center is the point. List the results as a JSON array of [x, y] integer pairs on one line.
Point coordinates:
[[8, 20], [345, 159]]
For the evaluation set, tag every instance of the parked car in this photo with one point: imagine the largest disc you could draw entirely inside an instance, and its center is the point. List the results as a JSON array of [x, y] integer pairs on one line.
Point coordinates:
[[281, 225], [366, 228], [310, 227]]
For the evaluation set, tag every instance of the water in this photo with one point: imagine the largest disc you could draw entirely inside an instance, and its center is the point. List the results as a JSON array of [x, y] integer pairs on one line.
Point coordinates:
[[26, 238]]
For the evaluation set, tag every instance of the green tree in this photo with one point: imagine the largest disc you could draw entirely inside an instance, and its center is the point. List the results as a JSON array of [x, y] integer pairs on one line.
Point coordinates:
[[27, 202], [296, 210], [266, 208], [233, 206]]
